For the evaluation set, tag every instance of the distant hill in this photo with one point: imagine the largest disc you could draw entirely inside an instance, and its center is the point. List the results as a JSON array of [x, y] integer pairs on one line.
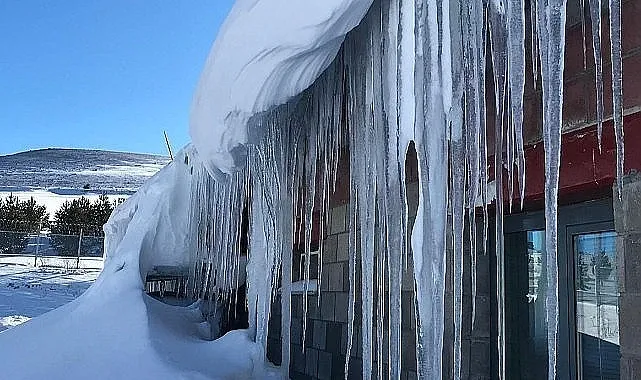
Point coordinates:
[[73, 171]]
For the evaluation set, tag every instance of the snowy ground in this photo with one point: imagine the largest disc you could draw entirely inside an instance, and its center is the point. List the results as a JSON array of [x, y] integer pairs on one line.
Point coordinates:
[[111, 330], [27, 292]]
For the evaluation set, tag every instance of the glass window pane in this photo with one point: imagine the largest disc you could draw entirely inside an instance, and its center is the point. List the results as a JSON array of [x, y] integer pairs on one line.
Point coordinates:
[[526, 287], [597, 309], [537, 281]]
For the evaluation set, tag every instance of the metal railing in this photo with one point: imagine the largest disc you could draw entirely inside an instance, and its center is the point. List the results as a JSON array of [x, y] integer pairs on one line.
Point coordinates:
[[50, 240]]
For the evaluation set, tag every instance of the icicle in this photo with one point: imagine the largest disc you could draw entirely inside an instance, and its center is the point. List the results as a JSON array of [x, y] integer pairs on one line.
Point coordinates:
[[482, 33], [286, 221], [551, 25], [379, 152], [508, 162], [393, 169], [534, 4], [354, 118], [474, 69], [585, 54], [516, 69], [429, 257], [407, 101], [617, 88], [257, 269], [459, 150], [595, 16], [498, 34], [352, 267], [324, 139], [310, 188], [366, 169]]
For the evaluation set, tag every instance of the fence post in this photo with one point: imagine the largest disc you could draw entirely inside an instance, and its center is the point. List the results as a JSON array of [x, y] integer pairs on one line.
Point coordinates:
[[35, 256], [79, 246]]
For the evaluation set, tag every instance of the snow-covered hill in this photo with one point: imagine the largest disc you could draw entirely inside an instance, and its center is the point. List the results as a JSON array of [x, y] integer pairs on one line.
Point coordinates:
[[54, 175], [65, 170]]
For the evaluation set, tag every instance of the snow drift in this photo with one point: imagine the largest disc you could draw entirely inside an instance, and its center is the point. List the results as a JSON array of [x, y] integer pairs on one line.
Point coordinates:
[[114, 330]]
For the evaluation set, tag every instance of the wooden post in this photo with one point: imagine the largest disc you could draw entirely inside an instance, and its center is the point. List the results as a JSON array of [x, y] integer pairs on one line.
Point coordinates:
[[35, 256], [79, 246], [171, 155]]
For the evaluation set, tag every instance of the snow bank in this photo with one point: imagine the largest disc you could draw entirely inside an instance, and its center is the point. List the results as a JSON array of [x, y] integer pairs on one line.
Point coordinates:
[[27, 292], [262, 58], [116, 332]]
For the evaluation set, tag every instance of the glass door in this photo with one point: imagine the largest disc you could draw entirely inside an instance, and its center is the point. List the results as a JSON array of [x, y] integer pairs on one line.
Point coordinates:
[[596, 294]]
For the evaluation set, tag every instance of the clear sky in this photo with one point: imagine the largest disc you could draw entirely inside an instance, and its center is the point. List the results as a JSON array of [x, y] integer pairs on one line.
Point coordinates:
[[101, 74]]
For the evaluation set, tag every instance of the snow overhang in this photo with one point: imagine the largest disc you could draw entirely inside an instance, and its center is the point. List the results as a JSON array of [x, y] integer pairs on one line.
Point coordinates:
[[266, 52]]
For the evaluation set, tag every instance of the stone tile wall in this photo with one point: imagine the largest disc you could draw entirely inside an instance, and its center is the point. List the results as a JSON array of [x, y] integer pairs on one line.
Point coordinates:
[[627, 221], [325, 344]]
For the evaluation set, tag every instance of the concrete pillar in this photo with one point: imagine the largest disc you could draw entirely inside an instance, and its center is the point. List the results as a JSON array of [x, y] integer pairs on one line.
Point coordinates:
[[627, 219]]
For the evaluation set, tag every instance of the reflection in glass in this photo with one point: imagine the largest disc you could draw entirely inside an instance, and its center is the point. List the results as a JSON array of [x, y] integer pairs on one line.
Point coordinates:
[[526, 287], [597, 309], [537, 288]]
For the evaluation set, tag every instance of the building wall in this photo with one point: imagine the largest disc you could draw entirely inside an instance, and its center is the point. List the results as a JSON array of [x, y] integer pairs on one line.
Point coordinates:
[[627, 222], [325, 343], [584, 168], [326, 338], [579, 108], [586, 173]]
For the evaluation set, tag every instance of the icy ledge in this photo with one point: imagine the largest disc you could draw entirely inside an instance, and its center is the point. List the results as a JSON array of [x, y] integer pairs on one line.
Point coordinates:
[[266, 52]]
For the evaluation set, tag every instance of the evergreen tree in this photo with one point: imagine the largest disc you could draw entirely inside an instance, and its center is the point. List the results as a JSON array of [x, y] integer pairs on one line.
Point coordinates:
[[18, 219], [81, 216]]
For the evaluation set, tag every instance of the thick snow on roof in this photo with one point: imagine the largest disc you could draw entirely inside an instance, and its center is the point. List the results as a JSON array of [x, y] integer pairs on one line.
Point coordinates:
[[266, 52]]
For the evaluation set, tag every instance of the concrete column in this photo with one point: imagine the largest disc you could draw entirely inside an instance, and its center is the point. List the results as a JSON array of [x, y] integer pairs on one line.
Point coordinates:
[[627, 219]]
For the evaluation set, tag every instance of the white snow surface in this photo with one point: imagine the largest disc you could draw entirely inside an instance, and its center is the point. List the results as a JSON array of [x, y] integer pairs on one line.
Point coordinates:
[[114, 330], [262, 58], [27, 291]]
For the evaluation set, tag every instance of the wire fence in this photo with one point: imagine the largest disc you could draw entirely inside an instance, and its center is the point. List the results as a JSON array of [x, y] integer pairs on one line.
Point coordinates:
[[48, 239]]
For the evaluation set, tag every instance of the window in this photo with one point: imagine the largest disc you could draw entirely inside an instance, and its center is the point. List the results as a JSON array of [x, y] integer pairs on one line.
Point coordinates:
[[597, 305], [588, 338]]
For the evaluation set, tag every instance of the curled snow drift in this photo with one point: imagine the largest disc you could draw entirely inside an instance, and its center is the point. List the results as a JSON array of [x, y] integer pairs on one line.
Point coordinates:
[[261, 59]]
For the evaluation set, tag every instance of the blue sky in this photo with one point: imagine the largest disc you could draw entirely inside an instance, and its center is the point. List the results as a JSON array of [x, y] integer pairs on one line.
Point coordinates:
[[101, 74]]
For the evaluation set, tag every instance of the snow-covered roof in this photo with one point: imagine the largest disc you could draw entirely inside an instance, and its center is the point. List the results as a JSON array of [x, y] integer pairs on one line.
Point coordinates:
[[266, 52]]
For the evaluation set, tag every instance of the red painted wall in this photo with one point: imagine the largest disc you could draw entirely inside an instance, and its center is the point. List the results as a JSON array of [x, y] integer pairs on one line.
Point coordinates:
[[585, 172]]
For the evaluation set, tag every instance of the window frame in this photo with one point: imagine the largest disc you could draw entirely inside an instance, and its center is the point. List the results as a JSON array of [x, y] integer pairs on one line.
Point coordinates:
[[581, 218]]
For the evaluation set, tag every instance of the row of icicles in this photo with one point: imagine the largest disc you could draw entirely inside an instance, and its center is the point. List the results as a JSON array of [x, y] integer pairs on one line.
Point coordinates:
[[411, 72]]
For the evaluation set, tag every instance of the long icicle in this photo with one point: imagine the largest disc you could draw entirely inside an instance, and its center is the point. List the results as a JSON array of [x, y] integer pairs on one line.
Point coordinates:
[[460, 150], [516, 75], [379, 82], [457, 157], [617, 88], [429, 257], [367, 172], [595, 17], [353, 119], [551, 26], [498, 34], [394, 186]]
